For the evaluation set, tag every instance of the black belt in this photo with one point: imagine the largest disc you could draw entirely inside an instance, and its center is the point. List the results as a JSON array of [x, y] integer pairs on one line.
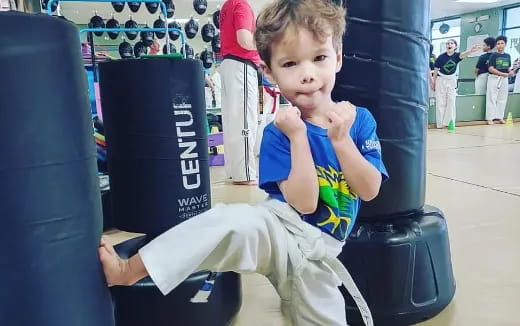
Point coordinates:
[[246, 61]]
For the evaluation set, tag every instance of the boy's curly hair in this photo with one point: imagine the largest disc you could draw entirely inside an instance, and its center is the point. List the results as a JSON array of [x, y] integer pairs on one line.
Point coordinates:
[[321, 17]]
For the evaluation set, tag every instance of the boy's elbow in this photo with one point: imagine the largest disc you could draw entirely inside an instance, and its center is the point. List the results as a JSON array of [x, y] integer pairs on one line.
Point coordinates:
[[369, 195], [372, 191], [306, 208]]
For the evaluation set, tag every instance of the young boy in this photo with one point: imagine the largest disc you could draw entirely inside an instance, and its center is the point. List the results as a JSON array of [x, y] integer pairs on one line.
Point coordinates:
[[445, 82], [481, 69], [317, 161], [498, 84]]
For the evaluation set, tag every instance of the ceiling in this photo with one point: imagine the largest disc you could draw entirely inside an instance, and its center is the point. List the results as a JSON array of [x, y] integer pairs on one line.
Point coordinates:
[[81, 12], [446, 8]]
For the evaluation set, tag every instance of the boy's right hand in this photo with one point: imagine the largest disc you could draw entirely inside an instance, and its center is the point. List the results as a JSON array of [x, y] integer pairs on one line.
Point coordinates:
[[289, 121]]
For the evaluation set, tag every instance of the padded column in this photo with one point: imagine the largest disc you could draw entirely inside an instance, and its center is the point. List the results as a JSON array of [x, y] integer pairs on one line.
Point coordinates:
[[49, 199]]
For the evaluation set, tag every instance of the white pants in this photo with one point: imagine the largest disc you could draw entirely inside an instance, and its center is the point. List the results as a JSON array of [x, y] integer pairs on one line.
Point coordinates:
[[271, 101], [239, 118], [516, 88], [496, 97], [481, 84], [445, 96], [270, 239]]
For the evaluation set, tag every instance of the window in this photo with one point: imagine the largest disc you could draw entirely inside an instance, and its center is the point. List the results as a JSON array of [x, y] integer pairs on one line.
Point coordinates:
[[511, 29], [442, 31]]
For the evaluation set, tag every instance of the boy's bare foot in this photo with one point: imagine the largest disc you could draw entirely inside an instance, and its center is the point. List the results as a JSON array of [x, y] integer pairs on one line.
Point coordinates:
[[114, 267], [246, 183], [501, 121], [490, 122]]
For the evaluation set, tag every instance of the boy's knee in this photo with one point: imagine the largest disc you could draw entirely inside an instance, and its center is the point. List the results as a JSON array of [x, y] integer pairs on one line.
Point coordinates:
[[245, 219]]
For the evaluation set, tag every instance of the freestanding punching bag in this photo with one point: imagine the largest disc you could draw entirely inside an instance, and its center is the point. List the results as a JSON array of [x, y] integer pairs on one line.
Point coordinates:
[[159, 175], [398, 251], [387, 41], [49, 200], [157, 142]]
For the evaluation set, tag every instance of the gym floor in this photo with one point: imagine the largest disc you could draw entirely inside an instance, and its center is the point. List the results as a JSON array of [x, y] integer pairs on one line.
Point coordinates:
[[473, 175]]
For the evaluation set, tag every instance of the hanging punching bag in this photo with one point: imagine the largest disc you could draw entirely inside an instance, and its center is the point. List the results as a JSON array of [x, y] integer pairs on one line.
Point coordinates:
[[387, 42], [157, 143], [49, 200]]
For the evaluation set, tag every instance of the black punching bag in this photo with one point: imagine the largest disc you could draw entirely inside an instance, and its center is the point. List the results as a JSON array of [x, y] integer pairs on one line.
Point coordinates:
[[387, 44], [50, 203], [398, 251], [157, 142]]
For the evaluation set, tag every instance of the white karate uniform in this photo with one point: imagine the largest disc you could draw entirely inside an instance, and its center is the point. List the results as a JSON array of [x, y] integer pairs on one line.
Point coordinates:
[[270, 239], [516, 88], [496, 97], [271, 102], [445, 97], [481, 84], [218, 88], [239, 118]]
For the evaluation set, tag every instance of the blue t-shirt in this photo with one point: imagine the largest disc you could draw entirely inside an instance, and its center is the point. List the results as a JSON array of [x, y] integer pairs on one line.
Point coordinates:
[[338, 205]]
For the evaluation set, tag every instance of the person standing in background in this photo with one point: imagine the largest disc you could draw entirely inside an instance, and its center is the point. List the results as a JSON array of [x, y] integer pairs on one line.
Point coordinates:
[[498, 84], [432, 70], [516, 67], [239, 90], [445, 82], [155, 48], [481, 69]]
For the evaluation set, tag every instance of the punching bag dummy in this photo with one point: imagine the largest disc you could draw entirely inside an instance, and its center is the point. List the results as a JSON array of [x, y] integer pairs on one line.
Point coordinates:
[[386, 42], [50, 202], [398, 251]]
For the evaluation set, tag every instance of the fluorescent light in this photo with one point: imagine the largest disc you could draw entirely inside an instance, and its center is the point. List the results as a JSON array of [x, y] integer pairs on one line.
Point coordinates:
[[478, 1]]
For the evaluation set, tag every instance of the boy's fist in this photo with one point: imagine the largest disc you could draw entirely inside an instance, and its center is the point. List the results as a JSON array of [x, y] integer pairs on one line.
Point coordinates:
[[289, 121], [341, 117]]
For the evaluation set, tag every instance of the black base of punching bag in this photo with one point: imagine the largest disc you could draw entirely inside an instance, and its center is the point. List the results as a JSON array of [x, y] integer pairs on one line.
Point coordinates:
[[402, 267], [143, 303]]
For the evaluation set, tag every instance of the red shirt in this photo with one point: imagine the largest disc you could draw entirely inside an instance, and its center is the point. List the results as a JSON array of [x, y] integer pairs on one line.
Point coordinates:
[[235, 15]]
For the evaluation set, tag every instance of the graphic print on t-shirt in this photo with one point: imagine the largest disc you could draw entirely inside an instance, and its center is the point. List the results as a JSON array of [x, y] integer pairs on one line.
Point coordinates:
[[450, 66], [337, 203], [502, 63]]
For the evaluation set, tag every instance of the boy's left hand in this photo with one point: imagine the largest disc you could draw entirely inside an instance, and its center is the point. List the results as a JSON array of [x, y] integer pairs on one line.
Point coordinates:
[[341, 117]]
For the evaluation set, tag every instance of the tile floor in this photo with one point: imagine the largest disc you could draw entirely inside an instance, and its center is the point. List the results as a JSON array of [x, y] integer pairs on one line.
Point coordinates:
[[473, 175]]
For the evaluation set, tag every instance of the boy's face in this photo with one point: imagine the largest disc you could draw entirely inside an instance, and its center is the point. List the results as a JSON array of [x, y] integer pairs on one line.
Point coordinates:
[[304, 68], [501, 45], [485, 47]]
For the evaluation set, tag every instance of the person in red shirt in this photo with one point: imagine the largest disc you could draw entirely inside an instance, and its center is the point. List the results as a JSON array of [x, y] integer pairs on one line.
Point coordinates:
[[155, 48], [239, 90]]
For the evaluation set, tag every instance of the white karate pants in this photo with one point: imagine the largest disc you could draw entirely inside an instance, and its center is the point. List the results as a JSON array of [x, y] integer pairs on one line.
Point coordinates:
[[271, 104], [481, 84], [496, 97], [445, 96], [239, 118], [270, 239]]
